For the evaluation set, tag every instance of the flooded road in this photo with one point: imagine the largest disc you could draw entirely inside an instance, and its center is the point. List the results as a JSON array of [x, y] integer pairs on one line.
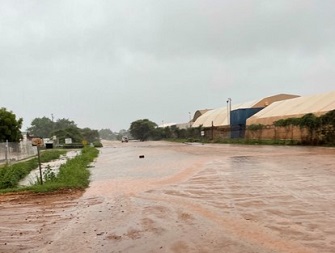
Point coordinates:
[[185, 198]]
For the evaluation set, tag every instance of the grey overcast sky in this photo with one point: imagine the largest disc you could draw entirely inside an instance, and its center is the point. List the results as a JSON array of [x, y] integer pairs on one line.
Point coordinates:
[[107, 63]]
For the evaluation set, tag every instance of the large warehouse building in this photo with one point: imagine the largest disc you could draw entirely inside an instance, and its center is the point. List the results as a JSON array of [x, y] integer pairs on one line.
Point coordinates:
[[293, 108], [230, 121], [234, 120]]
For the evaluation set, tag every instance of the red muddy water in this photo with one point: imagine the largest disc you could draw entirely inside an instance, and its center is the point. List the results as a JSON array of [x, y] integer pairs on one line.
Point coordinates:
[[184, 198]]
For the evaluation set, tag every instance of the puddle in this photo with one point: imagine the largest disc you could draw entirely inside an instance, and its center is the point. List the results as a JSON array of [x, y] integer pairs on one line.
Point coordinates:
[[183, 198]]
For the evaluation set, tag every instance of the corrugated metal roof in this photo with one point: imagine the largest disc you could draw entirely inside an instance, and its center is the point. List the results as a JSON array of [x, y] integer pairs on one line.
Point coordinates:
[[296, 107]]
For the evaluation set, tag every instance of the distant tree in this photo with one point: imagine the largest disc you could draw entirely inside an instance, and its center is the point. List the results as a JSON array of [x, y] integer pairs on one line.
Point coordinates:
[[64, 124], [143, 129], [167, 132], [90, 135], [71, 132], [41, 127], [9, 126], [107, 134], [123, 132], [62, 129], [45, 127], [181, 133]]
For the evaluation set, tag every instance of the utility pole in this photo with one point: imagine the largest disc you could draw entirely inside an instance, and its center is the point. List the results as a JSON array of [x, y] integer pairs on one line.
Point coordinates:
[[228, 116], [228, 110], [189, 113]]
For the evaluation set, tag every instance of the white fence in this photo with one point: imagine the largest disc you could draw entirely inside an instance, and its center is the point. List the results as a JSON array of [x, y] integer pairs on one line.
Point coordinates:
[[12, 151]]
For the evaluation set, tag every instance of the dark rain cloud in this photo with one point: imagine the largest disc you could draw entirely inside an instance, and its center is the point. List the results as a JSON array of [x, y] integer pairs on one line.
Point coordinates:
[[105, 64]]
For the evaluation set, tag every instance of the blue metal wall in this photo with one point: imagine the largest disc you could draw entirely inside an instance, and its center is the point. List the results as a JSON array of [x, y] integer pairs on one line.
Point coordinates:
[[238, 119], [240, 116]]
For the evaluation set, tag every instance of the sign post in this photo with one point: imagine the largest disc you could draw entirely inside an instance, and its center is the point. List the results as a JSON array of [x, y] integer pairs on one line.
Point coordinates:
[[38, 142], [39, 163]]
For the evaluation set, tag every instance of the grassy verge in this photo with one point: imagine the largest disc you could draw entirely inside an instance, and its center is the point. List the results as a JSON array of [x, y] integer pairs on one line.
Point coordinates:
[[10, 175], [72, 175]]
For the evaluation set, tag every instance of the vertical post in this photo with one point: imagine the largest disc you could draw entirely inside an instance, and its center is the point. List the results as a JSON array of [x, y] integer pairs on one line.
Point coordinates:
[[228, 110], [228, 116], [189, 114], [39, 163], [212, 130], [202, 132], [6, 152]]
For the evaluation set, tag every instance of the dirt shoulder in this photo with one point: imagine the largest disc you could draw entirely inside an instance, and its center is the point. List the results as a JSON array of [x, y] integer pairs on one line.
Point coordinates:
[[48, 197], [29, 220]]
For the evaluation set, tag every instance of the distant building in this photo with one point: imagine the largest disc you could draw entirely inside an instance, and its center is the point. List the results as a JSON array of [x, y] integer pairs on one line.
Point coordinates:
[[226, 122], [294, 108]]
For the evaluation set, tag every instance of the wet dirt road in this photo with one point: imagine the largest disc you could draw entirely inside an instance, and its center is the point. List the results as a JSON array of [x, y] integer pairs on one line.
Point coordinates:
[[184, 198]]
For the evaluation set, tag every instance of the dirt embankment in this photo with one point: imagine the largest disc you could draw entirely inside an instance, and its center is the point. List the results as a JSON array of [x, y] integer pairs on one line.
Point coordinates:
[[27, 219]]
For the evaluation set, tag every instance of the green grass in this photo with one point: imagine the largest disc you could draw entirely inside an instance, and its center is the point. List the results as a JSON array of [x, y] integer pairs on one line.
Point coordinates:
[[49, 155], [10, 175], [72, 175]]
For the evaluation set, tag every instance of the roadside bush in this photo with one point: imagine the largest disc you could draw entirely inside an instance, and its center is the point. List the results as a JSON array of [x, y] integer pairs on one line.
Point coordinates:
[[73, 174], [97, 144], [10, 175], [321, 130], [255, 127], [73, 145], [327, 128]]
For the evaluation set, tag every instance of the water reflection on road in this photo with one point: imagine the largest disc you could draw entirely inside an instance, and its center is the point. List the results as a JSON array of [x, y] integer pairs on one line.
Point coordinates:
[[205, 198]]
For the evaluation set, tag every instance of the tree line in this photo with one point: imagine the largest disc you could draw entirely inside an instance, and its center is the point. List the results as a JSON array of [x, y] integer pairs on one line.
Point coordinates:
[[144, 129], [44, 127], [10, 129], [62, 128]]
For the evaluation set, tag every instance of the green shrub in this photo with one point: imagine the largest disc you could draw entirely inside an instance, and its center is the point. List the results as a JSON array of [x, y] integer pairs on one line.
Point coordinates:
[[73, 145], [10, 175], [321, 129], [73, 174], [97, 144], [49, 155], [255, 127]]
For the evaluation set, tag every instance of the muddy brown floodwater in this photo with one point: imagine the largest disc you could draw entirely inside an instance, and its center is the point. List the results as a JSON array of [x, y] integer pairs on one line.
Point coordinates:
[[184, 198]]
